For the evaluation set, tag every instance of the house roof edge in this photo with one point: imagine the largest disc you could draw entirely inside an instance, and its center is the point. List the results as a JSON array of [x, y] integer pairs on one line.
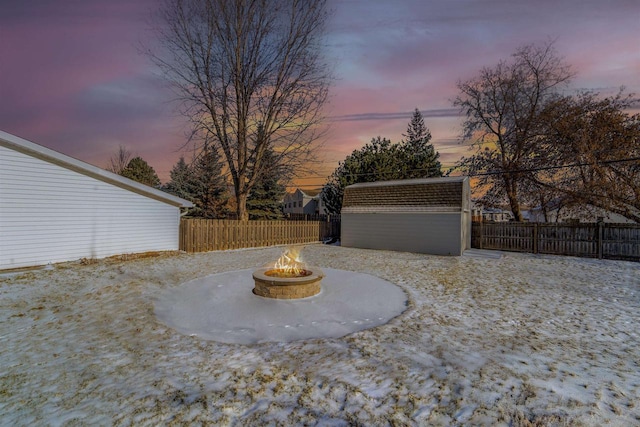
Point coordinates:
[[36, 150], [410, 181]]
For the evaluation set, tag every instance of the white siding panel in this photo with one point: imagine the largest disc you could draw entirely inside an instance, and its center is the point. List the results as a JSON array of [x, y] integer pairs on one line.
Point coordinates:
[[430, 233], [51, 214]]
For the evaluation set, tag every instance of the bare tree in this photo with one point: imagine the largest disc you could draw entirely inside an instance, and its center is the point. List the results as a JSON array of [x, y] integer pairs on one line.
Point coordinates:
[[120, 160], [502, 107], [250, 77], [595, 144]]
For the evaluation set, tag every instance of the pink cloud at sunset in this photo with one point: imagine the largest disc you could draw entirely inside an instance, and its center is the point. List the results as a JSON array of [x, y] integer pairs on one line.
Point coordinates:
[[72, 77]]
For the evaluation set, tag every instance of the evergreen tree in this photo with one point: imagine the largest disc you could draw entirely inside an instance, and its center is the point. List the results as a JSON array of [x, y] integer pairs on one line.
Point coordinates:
[[421, 158], [381, 160], [265, 198], [139, 170], [208, 184], [416, 129], [181, 183]]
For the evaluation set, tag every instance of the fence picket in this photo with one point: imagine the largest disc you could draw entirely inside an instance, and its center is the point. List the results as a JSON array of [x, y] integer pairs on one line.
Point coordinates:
[[594, 240], [199, 235]]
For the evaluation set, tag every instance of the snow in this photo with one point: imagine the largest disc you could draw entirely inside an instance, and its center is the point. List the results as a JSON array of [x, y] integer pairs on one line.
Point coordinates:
[[222, 307], [485, 339]]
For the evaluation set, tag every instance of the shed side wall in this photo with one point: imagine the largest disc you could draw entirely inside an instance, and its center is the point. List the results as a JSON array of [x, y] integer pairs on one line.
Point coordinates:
[[429, 233], [466, 215], [51, 214]]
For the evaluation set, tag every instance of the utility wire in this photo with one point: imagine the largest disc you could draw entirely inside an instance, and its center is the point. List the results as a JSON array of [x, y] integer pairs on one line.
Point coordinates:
[[498, 172], [545, 168]]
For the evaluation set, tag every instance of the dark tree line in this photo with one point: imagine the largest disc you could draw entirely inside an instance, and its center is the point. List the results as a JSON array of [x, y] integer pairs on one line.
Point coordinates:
[[382, 160], [204, 182]]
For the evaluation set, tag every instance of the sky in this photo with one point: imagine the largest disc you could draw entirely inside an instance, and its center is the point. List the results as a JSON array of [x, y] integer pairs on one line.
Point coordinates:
[[73, 78]]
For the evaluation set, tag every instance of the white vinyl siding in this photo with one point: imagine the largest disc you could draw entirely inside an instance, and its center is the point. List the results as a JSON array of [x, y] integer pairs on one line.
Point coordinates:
[[49, 214]]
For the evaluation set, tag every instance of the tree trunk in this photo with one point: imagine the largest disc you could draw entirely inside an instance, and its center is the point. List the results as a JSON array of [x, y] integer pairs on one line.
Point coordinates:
[[515, 208], [241, 209], [512, 195]]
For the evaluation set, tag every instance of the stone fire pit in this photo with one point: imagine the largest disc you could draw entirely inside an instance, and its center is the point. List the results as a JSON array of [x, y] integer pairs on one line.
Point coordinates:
[[288, 278], [273, 283]]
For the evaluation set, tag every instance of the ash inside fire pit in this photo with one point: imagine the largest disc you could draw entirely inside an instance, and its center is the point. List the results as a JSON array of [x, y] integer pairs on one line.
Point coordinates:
[[281, 273]]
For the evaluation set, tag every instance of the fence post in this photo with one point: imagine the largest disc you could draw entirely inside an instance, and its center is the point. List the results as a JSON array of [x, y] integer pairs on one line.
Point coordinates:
[[481, 235], [535, 238], [599, 237]]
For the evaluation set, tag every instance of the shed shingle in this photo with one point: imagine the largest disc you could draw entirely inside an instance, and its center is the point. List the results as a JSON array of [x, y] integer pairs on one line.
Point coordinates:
[[435, 192]]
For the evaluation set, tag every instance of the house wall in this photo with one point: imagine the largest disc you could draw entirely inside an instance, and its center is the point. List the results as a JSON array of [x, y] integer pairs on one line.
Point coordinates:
[[300, 203], [584, 214], [466, 218], [293, 204], [52, 214], [309, 205], [432, 233]]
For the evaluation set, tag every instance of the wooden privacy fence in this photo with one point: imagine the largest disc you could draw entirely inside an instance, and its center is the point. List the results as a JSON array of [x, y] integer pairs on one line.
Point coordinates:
[[596, 240], [200, 235]]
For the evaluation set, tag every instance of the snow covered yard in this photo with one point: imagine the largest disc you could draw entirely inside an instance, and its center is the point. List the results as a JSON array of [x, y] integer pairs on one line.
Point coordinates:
[[516, 340]]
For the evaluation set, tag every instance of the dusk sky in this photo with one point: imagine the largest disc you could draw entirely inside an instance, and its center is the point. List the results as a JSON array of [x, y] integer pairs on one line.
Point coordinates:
[[72, 77]]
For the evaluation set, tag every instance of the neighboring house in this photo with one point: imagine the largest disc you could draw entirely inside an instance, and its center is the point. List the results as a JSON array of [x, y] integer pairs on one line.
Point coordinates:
[[431, 215], [496, 215], [480, 213], [54, 208], [557, 213], [305, 202]]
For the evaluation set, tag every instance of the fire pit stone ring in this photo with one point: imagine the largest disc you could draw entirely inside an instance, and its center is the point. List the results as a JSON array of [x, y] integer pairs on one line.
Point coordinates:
[[302, 286]]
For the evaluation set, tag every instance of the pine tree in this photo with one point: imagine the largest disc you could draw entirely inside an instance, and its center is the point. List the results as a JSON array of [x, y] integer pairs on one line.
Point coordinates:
[[416, 129], [209, 185], [421, 159], [381, 160], [181, 183], [265, 199]]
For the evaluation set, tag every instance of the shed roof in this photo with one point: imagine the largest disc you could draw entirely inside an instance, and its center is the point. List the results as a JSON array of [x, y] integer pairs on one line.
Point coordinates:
[[423, 192], [35, 150]]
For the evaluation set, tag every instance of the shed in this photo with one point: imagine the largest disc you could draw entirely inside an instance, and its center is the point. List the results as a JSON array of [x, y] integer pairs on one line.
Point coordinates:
[[54, 208], [430, 215]]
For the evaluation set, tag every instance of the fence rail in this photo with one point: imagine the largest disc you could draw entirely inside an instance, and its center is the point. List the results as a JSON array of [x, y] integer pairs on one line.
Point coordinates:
[[595, 240], [201, 235]]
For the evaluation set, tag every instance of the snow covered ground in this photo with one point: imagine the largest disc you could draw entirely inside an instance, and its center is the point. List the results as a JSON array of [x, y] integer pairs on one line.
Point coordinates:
[[223, 308], [486, 340]]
